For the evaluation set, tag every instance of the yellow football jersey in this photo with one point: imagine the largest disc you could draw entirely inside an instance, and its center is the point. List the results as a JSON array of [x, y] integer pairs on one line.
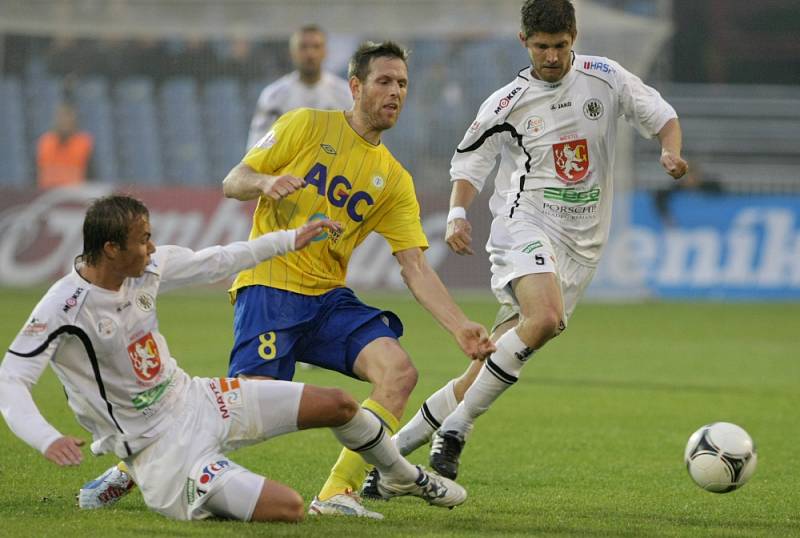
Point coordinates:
[[348, 180]]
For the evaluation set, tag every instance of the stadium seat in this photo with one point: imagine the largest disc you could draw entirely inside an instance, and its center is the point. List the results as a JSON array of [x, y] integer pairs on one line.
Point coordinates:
[[185, 154], [226, 124], [16, 168], [43, 93], [95, 116], [137, 132]]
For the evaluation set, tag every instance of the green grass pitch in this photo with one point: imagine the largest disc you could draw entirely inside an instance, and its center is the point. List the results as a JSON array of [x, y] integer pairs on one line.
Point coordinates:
[[588, 443]]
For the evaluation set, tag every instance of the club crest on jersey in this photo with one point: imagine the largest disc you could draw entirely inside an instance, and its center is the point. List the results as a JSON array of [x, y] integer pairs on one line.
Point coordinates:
[[571, 160], [593, 109], [145, 358], [145, 301]]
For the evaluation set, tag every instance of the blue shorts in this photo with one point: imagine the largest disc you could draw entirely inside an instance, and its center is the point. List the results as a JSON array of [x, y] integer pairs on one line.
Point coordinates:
[[273, 329]]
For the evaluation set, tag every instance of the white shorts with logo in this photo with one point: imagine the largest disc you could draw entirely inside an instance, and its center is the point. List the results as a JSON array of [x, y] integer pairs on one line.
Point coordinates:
[[519, 247], [187, 465]]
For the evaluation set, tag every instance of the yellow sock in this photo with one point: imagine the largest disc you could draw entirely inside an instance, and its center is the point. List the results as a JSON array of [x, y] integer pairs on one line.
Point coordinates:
[[350, 469]]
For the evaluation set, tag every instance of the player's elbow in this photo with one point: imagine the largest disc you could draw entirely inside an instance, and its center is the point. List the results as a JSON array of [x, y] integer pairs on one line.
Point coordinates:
[[235, 183]]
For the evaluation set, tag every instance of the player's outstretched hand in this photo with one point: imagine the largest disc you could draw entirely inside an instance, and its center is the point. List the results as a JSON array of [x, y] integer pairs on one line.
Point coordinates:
[[65, 451], [277, 187], [459, 236], [307, 232], [674, 164], [474, 341]]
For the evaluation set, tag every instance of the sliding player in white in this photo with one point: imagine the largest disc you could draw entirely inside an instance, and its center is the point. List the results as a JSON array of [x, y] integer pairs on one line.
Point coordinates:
[[97, 328]]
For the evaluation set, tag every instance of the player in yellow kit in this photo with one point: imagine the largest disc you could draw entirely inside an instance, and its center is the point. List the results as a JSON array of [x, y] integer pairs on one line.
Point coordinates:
[[332, 164]]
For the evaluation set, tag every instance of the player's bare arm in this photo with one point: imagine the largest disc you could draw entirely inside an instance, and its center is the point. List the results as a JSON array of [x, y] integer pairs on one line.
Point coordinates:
[[671, 138], [244, 183], [430, 292], [459, 231]]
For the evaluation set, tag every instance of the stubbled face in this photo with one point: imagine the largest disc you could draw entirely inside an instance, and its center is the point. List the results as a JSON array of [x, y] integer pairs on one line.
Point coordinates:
[[380, 98], [132, 259], [551, 54], [307, 50]]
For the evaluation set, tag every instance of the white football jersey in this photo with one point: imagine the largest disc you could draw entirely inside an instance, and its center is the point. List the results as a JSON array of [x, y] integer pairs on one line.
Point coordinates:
[[556, 146], [289, 92], [106, 348]]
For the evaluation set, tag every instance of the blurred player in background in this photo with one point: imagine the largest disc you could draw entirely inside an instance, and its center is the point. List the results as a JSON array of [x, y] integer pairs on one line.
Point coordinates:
[[554, 129], [308, 86], [316, 164], [98, 329]]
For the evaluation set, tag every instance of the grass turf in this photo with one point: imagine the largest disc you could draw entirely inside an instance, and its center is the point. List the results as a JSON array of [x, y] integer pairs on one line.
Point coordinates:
[[588, 443]]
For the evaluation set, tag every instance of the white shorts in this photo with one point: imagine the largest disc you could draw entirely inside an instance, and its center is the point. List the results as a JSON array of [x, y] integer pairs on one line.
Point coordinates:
[[187, 465], [518, 247]]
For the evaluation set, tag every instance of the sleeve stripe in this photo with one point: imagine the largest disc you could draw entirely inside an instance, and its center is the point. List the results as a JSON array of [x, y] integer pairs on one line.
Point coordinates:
[[87, 344]]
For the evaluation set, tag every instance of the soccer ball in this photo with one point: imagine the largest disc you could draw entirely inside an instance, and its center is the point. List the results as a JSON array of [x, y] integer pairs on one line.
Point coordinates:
[[720, 457]]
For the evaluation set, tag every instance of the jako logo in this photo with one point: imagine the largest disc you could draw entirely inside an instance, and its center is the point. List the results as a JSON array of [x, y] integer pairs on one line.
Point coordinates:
[[505, 101], [338, 191]]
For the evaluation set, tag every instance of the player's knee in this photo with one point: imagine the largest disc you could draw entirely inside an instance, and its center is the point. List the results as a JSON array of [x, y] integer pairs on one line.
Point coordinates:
[[545, 324], [294, 509], [406, 377], [343, 406], [289, 509]]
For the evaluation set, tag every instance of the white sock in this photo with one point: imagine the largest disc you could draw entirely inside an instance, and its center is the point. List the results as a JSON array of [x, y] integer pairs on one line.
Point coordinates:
[[500, 371], [420, 428], [366, 435]]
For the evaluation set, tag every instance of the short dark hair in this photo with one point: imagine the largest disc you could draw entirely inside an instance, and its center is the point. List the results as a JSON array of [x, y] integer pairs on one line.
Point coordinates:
[[359, 62], [109, 219], [549, 17]]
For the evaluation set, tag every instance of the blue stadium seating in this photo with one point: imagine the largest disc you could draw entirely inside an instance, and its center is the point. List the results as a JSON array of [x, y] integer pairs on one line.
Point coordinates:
[[137, 131], [43, 93], [95, 117], [226, 125], [181, 126], [16, 164]]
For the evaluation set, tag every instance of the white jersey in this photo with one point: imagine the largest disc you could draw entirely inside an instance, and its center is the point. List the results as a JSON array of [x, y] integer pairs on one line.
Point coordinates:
[[556, 145], [105, 346], [289, 92]]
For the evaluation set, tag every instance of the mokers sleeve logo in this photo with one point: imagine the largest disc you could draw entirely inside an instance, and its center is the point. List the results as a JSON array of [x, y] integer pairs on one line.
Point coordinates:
[[571, 160]]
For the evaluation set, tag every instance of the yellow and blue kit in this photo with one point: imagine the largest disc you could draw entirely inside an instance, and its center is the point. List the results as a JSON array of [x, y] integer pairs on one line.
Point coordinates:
[[296, 307]]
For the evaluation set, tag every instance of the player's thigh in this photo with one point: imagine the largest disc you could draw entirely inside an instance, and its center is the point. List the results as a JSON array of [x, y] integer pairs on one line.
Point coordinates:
[[383, 360], [325, 407], [347, 327], [258, 409], [538, 295], [270, 329], [247, 496]]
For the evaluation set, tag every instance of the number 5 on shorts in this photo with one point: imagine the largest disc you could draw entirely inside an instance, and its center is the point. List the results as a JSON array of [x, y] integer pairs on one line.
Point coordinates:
[[266, 348]]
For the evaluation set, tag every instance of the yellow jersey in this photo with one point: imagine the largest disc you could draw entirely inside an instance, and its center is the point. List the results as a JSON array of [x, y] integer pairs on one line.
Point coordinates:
[[348, 180]]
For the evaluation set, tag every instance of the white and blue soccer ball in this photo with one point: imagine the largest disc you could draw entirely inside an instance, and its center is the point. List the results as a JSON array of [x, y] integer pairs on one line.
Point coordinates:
[[720, 457]]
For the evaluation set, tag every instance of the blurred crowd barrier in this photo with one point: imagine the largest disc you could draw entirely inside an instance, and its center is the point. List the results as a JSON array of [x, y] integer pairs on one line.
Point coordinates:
[[715, 246]]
